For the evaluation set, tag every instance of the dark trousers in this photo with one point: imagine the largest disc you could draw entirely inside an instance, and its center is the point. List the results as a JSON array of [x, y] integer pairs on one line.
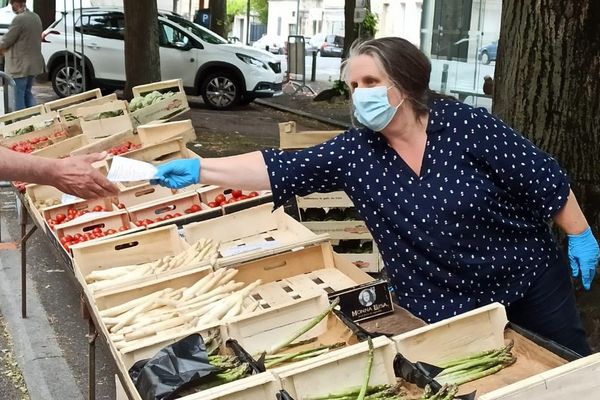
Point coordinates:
[[549, 310]]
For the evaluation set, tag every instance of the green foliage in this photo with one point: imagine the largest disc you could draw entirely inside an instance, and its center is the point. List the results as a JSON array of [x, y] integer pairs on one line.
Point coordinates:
[[261, 7], [341, 87], [369, 25], [238, 7]]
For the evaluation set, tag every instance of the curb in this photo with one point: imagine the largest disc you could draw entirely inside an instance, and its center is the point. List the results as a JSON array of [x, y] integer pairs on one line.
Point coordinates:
[[331, 121]]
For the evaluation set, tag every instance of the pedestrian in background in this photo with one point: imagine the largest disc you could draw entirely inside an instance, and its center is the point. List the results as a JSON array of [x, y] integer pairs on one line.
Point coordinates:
[[457, 201], [22, 48]]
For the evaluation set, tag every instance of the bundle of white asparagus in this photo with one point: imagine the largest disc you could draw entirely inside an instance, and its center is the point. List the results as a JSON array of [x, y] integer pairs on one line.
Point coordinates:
[[203, 251], [145, 320]]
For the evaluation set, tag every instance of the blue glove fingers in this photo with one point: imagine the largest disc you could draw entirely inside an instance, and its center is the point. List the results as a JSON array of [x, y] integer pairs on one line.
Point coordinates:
[[583, 256], [574, 266]]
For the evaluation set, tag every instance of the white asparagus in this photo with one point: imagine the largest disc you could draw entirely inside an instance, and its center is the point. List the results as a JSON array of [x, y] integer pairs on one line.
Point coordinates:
[[147, 321], [189, 292], [129, 315], [168, 334], [228, 276], [155, 328], [236, 309], [208, 285], [122, 308]]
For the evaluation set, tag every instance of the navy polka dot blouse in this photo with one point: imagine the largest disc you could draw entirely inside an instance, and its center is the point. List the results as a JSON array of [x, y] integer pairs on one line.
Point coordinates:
[[470, 230]]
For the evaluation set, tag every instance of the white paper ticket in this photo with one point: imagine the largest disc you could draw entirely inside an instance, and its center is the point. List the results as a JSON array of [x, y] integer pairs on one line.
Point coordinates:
[[124, 169]]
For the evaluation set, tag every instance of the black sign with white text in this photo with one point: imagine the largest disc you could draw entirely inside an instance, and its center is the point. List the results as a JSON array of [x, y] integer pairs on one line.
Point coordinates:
[[365, 301]]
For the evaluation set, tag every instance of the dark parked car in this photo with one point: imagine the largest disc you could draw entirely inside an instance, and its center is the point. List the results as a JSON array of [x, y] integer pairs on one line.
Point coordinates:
[[327, 45], [487, 53]]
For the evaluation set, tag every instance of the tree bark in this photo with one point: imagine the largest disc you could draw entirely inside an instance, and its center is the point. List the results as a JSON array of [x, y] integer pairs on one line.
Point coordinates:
[[218, 17], [142, 56], [47, 12], [547, 85], [350, 28]]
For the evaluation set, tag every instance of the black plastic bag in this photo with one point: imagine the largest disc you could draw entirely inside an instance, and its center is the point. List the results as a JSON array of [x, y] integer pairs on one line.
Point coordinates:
[[173, 367]]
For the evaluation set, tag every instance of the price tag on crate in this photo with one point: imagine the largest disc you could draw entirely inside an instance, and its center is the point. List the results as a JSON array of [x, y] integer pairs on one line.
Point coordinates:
[[365, 301]]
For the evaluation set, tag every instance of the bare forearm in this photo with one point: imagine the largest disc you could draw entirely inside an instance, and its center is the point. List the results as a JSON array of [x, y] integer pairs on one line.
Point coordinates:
[[25, 167], [570, 218], [245, 171]]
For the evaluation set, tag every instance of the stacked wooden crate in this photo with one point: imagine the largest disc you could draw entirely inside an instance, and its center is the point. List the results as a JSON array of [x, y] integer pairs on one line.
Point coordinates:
[[332, 213]]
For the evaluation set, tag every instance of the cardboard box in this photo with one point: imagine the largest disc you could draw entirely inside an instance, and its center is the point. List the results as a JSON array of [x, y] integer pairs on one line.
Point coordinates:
[[165, 109]]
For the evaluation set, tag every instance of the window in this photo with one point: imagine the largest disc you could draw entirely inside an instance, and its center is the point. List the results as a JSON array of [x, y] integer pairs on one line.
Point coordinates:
[[172, 37], [109, 26], [201, 32]]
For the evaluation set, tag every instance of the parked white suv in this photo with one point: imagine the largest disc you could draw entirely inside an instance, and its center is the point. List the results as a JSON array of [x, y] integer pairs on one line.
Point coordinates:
[[223, 74]]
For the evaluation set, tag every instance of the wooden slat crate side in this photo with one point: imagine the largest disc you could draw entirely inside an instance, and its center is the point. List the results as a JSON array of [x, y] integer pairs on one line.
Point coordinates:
[[11, 118], [320, 200], [367, 262], [43, 193], [64, 102], [289, 139], [62, 149], [256, 331], [159, 132], [105, 127], [52, 212], [144, 246], [459, 336], [577, 380], [40, 119], [143, 193], [100, 145], [110, 220], [339, 370], [264, 386], [142, 90], [340, 229], [68, 115]]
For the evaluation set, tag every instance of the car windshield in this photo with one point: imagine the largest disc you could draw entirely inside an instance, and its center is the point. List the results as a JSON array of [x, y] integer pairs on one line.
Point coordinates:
[[201, 32]]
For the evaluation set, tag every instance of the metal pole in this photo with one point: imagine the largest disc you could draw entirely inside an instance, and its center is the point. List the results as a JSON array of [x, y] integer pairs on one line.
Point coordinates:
[[23, 261], [297, 17], [92, 334], [247, 23], [84, 83], [313, 71], [74, 45], [66, 47]]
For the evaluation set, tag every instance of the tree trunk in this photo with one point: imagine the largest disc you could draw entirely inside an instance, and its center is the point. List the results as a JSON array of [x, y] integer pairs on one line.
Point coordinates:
[[218, 17], [142, 56], [47, 12], [350, 28], [547, 85]]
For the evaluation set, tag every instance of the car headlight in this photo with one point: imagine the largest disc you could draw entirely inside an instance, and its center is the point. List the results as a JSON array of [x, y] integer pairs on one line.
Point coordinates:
[[251, 61]]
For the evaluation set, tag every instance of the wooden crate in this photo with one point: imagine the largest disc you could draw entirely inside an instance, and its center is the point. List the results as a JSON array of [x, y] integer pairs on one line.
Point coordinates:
[[208, 194], [45, 126], [143, 193], [110, 220], [68, 114], [290, 139], [472, 332], [256, 387], [78, 98], [251, 231], [11, 118], [135, 248], [104, 144], [88, 205], [43, 196], [105, 127], [165, 109], [177, 203], [340, 370], [327, 200], [159, 132], [576, 380], [159, 153]]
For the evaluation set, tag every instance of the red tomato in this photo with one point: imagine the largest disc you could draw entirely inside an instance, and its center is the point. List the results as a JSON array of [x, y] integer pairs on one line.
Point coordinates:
[[98, 208], [124, 228], [252, 194], [138, 223], [97, 230], [63, 240], [168, 216], [110, 232], [195, 208], [243, 197], [213, 204], [177, 215], [236, 193], [220, 198], [60, 218], [188, 211], [69, 238]]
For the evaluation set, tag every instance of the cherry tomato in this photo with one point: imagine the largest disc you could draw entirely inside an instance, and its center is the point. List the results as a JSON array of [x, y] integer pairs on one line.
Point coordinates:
[[97, 230], [98, 208], [63, 240], [188, 211], [124, 228], [213, 204], [220, 198], [195, 208], [110, 232], [60, 218], [252, 194], [177, 215], [236, 193], [138, 223]]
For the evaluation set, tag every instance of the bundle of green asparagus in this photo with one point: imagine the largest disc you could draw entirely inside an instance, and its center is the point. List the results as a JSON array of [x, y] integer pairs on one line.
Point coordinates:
[[476, 366], [446, 392]]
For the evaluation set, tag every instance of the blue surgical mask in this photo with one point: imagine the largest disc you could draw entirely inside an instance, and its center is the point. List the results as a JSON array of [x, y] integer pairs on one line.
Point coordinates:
[[372, 107]]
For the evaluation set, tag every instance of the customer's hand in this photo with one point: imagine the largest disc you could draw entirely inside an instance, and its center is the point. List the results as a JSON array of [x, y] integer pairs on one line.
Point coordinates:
[[76, 175], [178, 174], [583, 255]]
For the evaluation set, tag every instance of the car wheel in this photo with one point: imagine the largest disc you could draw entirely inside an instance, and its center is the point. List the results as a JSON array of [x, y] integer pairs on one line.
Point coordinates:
[[221, 90], [485, 58], [67, 80]]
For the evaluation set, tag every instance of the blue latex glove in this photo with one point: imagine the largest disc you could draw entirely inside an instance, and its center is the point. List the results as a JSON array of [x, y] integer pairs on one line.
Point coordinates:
[[178, 174], [583, 255]]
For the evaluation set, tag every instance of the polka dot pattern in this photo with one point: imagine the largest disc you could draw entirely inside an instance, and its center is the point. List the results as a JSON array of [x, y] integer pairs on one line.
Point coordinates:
[[469, 230]]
